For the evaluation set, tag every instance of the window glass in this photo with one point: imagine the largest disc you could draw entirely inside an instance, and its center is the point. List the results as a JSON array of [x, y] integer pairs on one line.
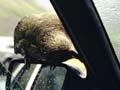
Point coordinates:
[[50, 79], [23, 76], [37, 78], [109, 11]]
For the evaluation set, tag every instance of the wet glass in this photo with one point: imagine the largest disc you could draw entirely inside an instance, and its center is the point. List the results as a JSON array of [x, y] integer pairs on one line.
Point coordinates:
[[50, 79], [109, 11], [21, 75], [36, 78], [4, 72]]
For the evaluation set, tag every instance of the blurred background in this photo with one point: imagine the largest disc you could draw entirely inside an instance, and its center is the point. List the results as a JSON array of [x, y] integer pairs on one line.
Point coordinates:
[[11, 11]]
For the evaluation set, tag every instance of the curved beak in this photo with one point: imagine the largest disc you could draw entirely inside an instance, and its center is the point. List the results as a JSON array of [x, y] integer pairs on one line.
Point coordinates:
[[77, 66]]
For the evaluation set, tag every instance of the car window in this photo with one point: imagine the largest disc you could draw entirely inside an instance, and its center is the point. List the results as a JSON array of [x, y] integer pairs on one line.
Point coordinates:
[[109, 11], [50, 79], [37, 78], [21, 75], [5, 74]]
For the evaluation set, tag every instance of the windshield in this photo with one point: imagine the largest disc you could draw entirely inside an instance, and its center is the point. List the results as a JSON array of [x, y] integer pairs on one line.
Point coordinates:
[[109, 11]]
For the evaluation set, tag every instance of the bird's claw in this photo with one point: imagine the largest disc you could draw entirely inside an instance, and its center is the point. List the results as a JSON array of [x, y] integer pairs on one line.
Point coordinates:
[[52, 67]]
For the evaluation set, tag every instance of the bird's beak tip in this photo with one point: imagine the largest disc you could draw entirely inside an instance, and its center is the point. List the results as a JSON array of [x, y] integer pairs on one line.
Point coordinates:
[[77, 66]]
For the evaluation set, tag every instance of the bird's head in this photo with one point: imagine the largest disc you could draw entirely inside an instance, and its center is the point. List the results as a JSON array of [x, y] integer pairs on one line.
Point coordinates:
[[40, 35], [43, 35]]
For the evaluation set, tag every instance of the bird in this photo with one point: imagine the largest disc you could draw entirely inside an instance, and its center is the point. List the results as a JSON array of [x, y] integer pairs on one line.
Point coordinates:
[[42, 37]]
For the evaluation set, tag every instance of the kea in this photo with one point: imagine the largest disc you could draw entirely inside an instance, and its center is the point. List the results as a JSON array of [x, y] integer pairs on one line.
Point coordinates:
[[42, 37]]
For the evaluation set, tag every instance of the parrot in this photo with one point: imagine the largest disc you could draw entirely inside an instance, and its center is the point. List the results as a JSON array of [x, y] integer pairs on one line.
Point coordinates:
[[42, 37]]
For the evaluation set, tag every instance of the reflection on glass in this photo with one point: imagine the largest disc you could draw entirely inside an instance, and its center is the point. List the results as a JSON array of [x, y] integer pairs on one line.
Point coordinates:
[[109, 11], [37, 78], [21, 75], [50, 79]]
